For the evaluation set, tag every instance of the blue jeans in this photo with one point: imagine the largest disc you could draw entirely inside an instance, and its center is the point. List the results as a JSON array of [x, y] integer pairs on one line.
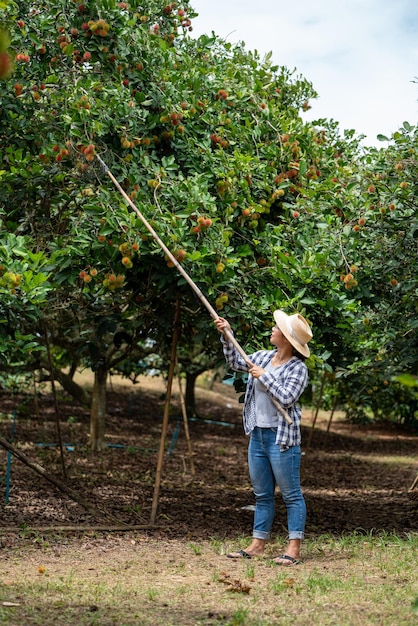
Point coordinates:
[[269, 465]]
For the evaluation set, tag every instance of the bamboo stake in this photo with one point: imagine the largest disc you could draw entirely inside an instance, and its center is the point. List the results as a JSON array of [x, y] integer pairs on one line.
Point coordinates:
[[334, 406], [80, 528], [229, 336], [185, 421], [35, 395], [57, 413], [176, 332], [414, 484], [318, 405]]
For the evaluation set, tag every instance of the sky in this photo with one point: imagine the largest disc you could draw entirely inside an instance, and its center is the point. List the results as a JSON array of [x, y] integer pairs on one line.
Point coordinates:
[[361, 56]]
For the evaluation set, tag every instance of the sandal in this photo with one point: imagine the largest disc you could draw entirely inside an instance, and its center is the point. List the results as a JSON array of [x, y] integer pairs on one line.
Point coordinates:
[[241, 554], [286, 557]]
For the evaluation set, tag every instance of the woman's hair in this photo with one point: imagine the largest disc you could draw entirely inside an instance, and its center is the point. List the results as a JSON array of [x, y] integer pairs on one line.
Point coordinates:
[[298, 354]]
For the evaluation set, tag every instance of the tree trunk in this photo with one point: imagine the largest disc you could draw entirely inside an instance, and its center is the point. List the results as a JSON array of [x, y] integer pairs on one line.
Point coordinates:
[[69, 385], [98, 409]]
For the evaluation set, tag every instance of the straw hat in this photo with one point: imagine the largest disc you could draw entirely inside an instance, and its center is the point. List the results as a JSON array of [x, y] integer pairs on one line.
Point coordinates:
[[296, 330]]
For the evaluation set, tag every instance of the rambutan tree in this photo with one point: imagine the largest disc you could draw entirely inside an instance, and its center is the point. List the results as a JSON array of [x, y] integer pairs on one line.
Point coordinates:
[[209, 142], [199, 135]]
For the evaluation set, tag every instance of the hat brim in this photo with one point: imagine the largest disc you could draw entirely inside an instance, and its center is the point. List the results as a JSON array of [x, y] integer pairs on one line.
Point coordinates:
[[281, 318]]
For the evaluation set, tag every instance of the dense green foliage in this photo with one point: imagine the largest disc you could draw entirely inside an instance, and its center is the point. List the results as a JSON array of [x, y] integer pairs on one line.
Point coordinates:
[[263, 210]]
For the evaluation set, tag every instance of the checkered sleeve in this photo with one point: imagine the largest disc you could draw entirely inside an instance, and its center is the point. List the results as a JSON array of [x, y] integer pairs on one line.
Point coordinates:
[[233, 357]]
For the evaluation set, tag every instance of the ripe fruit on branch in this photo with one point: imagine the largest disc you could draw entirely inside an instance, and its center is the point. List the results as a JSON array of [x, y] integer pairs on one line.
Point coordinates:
[[220, 301], [220, 267], [203, 223], [10, 280], [22, 58], [180, 255], [125, 248], [176, 117], [112, 282], [90, 149], [222, 93], [349, 281], [350, 284], [278, 193]]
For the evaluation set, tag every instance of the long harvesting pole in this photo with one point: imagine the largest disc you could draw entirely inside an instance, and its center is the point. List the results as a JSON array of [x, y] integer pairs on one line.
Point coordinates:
[[185, 275]]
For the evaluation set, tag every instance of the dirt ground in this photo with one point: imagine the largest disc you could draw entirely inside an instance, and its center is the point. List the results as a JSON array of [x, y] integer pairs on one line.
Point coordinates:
[[353, 477]]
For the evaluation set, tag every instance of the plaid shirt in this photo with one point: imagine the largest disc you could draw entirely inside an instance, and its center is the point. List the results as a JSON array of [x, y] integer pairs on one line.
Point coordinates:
[[286, 384]]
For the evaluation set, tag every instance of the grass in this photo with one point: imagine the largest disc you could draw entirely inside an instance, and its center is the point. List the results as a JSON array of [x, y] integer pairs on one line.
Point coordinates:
[[354, 579]]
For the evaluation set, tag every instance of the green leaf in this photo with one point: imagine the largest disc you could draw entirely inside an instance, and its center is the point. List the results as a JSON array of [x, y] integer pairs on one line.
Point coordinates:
[[195, 255], [407, 379]]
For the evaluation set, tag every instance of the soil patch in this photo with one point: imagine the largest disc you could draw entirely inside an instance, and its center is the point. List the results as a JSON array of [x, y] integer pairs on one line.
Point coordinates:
[[353, 477]]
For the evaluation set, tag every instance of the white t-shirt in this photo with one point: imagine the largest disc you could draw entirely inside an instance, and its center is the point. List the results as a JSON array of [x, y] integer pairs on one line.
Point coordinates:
[[265, 412]]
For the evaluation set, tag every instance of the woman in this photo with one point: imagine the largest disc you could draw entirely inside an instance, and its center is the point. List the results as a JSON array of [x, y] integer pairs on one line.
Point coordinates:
[[274, 453]]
